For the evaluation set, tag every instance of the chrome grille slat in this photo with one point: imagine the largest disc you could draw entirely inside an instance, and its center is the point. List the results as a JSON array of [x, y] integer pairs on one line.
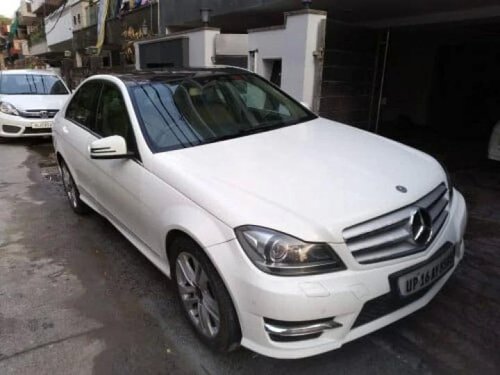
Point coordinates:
[[437, 209], [432, 197], [390, 236], [370, 243], [380, 230], [369, 227], [439, 222], [36, 113], [396, 251]]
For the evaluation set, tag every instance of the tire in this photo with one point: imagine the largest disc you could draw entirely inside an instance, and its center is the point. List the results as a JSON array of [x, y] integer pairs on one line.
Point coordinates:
[[202, 293], [71, 191]]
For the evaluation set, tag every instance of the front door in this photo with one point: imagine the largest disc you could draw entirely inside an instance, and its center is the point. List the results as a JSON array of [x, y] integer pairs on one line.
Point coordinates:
[[75, 130], [119, 182]]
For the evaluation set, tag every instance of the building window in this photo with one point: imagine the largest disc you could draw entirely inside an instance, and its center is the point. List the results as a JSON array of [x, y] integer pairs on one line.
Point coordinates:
[[74, 20], [79, 19], [28, 7], [272, 70], [106, 59]]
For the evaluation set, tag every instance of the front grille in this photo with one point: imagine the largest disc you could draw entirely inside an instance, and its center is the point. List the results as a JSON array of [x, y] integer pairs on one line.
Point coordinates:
[[11, 129], [37, 131], [391, 236], [39, 113]]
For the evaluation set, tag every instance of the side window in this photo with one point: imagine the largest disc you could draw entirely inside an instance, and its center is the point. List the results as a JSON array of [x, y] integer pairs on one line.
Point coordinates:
[[83, 106], [112, 116]]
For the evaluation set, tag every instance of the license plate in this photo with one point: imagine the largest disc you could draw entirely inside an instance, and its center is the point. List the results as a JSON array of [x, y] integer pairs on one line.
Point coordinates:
[[426, 275], [41, 125]]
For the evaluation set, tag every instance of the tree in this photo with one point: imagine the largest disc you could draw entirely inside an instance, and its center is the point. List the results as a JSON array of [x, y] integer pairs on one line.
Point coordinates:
[[5, 20]]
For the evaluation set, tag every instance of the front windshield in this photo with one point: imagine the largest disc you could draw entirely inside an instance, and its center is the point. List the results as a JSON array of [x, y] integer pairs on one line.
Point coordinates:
[[192, 111], [31, 84]]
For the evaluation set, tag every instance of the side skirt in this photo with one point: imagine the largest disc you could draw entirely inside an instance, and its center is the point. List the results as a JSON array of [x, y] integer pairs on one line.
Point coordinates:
[[132, 238]]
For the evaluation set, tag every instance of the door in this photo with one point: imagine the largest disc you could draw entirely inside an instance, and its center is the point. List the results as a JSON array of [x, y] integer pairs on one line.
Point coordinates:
[[75, 130], [118, 183]]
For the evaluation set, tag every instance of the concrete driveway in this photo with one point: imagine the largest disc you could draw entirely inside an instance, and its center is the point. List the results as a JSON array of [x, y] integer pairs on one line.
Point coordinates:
[[77, 298]]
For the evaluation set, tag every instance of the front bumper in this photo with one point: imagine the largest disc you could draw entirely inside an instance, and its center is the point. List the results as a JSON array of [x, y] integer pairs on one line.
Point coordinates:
[[262, 301], [20, 127]]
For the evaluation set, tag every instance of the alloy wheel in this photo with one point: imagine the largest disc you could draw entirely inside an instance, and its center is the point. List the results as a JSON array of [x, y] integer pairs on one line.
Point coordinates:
[[197, 295], [69, 185]]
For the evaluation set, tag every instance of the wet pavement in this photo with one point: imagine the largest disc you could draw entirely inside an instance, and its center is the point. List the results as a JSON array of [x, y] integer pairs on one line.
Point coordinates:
[[77, 298]]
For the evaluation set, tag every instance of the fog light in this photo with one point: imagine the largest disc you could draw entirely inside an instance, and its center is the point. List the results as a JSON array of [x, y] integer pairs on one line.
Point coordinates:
[[11, 129]]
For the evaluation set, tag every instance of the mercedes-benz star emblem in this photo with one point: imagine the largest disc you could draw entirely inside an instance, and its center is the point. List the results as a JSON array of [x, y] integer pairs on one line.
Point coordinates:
[[421, 227], [401, 189], [44, 114]]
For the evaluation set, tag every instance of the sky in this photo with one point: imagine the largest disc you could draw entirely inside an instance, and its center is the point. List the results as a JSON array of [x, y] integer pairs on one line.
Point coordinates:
[[8, 7]]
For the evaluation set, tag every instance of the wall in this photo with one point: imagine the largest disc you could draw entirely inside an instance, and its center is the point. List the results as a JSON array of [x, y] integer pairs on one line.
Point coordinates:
[[295, 44], [409, 74], [201, 45], [59, 26], [79, 8], [23, 9], [175, 12]]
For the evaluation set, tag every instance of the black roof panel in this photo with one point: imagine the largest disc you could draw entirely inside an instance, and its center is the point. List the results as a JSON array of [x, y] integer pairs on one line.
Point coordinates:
[[176, 73]]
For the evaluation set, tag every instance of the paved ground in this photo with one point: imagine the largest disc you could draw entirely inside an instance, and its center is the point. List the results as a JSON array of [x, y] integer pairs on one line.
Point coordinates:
[[77, 298]]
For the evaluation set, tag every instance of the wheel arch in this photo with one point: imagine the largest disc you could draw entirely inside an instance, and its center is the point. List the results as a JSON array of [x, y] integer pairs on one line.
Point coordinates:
[[59, 158]]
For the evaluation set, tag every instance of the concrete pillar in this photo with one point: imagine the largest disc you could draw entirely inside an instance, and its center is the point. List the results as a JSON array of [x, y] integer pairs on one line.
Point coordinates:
[[78, 59], [294, 43], [202, 46]]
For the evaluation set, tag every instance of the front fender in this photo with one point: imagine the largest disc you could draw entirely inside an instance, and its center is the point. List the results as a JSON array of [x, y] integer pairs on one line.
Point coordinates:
[[197, 223]]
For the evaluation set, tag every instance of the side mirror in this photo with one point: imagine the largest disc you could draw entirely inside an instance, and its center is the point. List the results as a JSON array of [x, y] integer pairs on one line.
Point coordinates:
[[114, 147]]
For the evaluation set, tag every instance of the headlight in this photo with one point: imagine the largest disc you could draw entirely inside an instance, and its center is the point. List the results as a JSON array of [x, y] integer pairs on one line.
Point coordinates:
[[8, 109], [280, 254]]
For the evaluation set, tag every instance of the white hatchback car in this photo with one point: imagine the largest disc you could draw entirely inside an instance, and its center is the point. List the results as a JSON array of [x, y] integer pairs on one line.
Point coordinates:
[[29, 99], [284, 232]]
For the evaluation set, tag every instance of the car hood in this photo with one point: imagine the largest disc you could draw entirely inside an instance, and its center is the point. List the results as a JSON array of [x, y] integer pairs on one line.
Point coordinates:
[[34, 102], [310, 180]]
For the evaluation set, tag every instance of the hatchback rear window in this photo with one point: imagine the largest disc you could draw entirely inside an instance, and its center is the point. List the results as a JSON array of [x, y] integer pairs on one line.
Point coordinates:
[[31, 84]]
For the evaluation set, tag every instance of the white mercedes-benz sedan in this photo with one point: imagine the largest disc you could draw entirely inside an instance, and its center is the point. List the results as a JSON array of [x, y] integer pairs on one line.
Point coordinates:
[[29, 100], [284, 232]]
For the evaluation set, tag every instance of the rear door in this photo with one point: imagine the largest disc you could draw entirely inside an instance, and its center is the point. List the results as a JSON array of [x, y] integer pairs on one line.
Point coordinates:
[[74, 129]]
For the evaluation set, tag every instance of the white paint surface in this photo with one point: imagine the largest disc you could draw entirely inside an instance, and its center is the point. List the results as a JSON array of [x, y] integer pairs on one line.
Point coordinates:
[[201, 46], [231, 44], [294, 44], [59, 27]]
